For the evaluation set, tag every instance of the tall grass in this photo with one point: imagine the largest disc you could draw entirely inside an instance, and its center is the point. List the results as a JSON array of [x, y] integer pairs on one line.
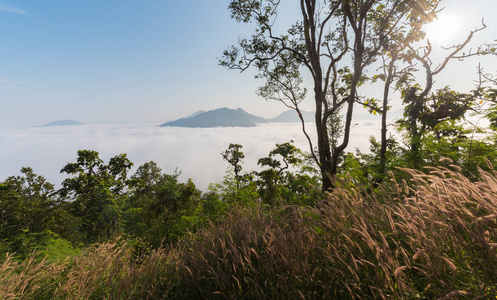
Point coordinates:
[[107, 271], [432, 237], [27, 279]]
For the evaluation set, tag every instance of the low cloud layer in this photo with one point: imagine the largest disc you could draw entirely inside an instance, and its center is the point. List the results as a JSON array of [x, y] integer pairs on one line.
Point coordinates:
[[194, 151]]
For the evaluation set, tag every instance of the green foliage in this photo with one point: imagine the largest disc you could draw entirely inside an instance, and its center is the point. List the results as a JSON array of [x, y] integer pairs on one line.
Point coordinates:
[[279, 185], [159, 207], [240, 191], [97, 195], [212, 207], [430, 236], [437, 132], [234, 156], [287, 179], [99, 202], [58, 249], [27, 200], [45, 244], [30, 213]]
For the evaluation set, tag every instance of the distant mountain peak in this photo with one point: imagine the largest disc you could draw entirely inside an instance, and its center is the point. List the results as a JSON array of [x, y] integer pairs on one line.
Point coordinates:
[[221, 117], [196, 113], [227, 117], [291, 116], [62, 123]]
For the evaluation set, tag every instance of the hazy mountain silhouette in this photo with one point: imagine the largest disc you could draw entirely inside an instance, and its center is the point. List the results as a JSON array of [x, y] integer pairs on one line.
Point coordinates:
[[226, 117], [222, 117], [196, 114], [291, 116], [62, 123]]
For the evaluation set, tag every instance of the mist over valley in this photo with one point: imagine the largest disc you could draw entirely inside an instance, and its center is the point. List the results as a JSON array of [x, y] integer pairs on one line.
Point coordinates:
[[193, 151]]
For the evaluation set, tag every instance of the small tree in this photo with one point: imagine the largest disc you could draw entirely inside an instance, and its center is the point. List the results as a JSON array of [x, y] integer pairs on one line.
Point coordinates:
[[416, 98], [241, 188], [234, 156], [97, 190], [286, 177]]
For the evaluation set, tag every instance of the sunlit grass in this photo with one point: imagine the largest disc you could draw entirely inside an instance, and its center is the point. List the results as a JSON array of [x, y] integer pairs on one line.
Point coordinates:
[[433, 237]]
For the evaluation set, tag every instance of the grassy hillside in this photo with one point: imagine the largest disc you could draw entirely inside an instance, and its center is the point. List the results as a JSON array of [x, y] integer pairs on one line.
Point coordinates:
[[434, 236]]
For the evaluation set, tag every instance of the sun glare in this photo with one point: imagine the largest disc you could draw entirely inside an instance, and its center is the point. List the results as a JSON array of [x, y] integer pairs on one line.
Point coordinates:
[[445, 29]]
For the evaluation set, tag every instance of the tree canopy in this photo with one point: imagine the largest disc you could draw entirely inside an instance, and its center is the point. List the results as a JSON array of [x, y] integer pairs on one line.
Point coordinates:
[[336, 45]]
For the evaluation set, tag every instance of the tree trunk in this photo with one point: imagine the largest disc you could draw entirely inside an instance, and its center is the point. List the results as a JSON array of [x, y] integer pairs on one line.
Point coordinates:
[[358, 68], [324, 152], [386, 92]]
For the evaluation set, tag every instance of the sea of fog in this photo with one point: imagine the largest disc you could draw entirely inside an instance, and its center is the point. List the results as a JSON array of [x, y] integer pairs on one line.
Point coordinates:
[[193, 151]]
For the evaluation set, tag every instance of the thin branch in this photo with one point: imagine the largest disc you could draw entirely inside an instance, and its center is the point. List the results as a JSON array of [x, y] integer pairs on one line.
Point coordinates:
[[302, 121], [332, 12], [458, 48], [374, 108]]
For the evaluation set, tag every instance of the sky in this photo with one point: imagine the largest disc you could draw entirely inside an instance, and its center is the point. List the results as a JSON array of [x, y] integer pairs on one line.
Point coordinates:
[[146, 62], [117, 60], [142, 60]]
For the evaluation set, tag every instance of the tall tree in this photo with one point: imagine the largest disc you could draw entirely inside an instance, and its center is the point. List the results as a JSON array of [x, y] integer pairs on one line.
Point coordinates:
[[334, 41]]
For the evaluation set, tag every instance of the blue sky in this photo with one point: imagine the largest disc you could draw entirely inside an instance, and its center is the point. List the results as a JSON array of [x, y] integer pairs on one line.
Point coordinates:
[[115, 60], [138, 60]]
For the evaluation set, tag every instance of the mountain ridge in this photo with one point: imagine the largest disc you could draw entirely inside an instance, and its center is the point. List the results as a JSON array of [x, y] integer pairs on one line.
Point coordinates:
[[226, 117], [62, 123]]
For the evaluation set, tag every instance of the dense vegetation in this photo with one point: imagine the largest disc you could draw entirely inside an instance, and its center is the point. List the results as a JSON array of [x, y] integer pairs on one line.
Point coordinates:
[[415, 217], [100, 201], [431, 236]]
